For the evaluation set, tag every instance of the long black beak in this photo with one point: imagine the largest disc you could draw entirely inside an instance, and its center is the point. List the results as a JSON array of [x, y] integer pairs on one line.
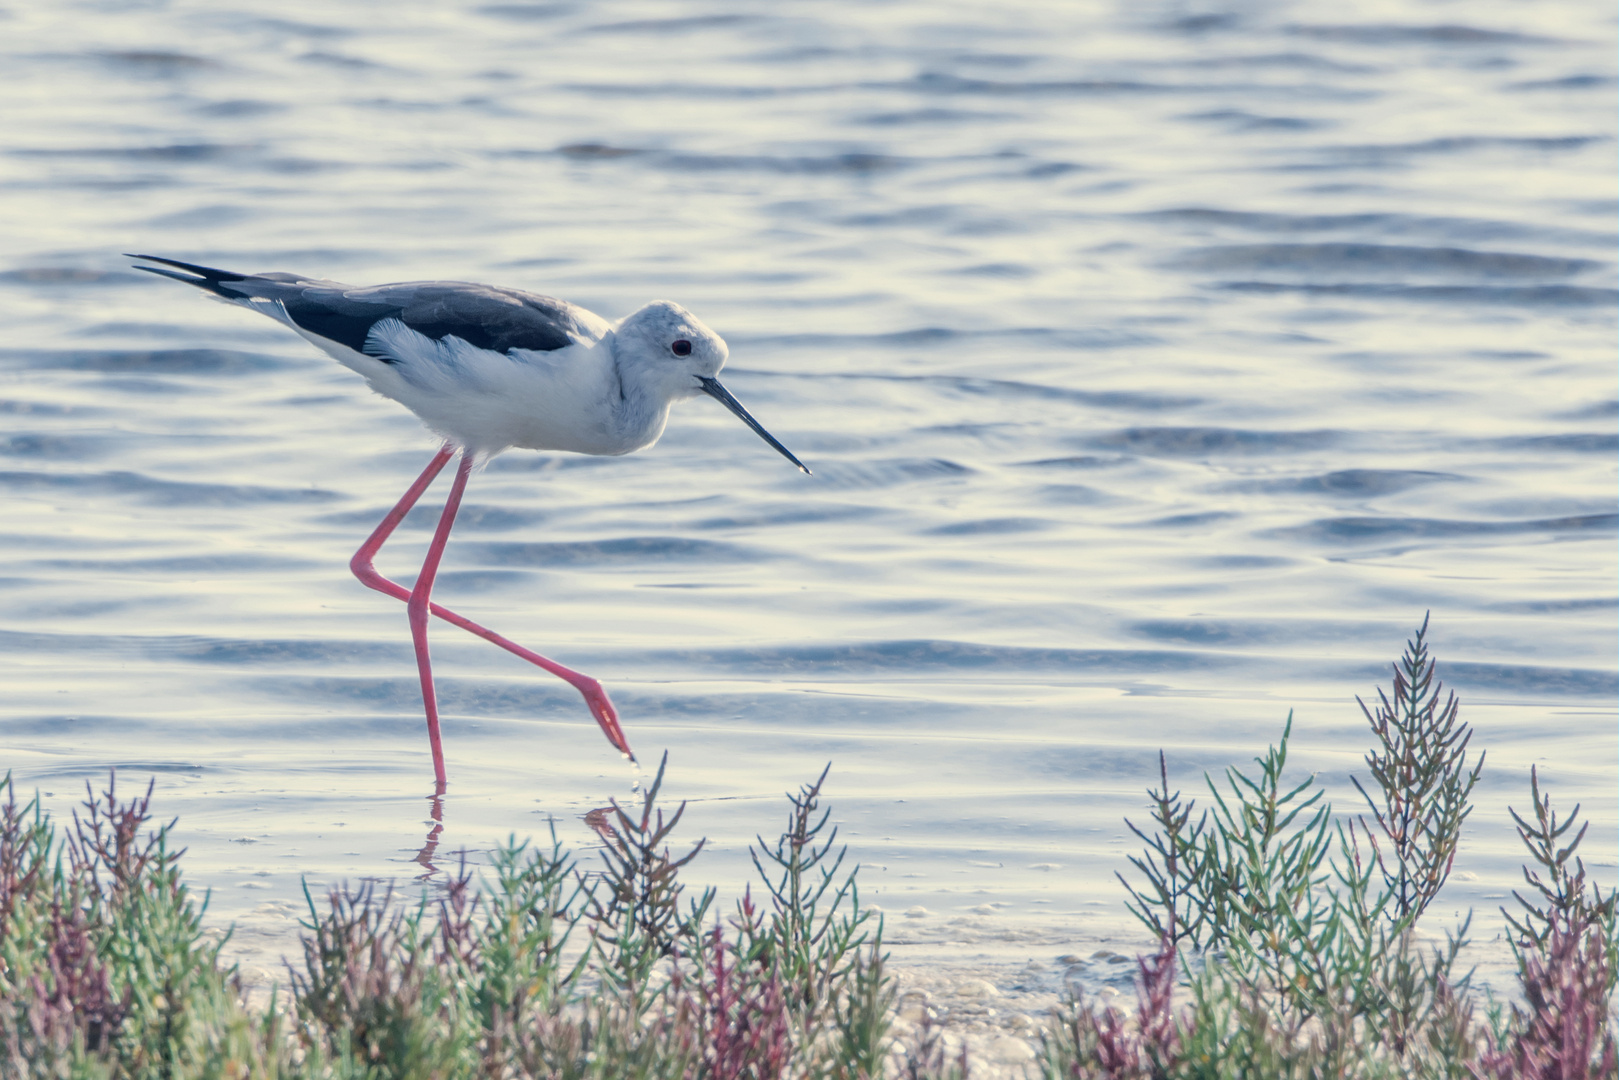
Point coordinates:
[[713, 389]]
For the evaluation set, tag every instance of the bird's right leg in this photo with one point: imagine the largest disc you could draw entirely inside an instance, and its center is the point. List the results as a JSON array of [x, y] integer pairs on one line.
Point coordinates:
[[420, 602], [594, 694]]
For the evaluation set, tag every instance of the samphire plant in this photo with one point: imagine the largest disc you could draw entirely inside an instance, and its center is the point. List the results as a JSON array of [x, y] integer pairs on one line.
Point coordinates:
[[1289, 946], [1292, 933], [548, 970]]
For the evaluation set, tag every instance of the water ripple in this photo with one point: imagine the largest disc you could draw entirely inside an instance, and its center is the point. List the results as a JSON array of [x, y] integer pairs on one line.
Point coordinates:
[[1201, 441], [1355, 529], [629, 550], [932, 656], [167, 361], [1384, 261], [1535, 296], [161, 492], [1349, 483]]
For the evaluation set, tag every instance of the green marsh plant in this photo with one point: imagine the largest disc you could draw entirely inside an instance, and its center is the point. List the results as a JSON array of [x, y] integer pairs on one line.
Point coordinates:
[[1293, 932]]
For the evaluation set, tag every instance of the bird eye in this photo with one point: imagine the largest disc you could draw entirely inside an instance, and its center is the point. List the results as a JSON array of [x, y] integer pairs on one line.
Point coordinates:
[[681, 347]]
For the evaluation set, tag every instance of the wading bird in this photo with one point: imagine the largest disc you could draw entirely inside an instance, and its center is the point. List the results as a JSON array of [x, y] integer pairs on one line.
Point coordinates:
[[488, 369]]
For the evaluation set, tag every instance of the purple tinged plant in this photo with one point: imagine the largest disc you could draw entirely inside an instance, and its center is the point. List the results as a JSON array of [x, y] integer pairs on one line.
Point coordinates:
[[742, 1015], [1564, 1031]]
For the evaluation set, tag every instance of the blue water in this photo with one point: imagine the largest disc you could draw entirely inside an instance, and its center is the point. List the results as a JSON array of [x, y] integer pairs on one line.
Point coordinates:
[[1160, 365]]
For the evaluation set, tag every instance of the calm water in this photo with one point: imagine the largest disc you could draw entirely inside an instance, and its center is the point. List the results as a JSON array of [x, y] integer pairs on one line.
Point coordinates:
[[1160, 365]]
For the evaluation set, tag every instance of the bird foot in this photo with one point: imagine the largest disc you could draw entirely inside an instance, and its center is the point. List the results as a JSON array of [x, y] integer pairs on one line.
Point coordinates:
[[601, 708]]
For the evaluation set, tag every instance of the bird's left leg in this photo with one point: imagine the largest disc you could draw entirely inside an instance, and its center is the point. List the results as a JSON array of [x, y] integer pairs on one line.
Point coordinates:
[[420, 603], [361, 565]]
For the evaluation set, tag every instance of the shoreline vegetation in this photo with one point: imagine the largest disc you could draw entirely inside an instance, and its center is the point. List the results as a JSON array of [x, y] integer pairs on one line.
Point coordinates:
[[1287, 930]]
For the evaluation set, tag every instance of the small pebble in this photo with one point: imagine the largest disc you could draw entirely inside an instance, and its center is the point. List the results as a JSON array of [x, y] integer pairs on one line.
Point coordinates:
[[976, 988], [1009, 1050]]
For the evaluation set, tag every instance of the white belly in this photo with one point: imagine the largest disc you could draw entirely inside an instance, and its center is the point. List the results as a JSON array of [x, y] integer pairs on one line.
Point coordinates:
[[569, 399]]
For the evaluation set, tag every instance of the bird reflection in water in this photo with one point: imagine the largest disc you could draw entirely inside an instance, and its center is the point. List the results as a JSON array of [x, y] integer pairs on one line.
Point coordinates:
[[599, 821], [424, 857]]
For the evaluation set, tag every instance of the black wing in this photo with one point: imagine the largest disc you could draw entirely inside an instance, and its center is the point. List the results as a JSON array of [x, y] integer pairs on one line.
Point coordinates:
[[481, 315]]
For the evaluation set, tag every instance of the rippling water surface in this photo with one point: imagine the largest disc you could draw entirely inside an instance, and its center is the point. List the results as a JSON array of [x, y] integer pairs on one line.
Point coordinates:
[[1159, 364]]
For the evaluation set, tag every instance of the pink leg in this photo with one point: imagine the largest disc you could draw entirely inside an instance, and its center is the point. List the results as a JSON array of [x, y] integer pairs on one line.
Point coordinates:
[[420, 600], [595, 696]]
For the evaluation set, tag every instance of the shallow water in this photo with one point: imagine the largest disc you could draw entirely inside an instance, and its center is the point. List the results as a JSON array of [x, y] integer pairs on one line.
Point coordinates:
[[1160, 365]]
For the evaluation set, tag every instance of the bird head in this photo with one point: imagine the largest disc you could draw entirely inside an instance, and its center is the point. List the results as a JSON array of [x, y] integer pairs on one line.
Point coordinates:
[[670, 350], [671, 353]]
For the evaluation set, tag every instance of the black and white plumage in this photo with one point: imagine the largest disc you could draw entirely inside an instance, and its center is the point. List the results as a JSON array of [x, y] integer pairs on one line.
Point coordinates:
[[491, 368]]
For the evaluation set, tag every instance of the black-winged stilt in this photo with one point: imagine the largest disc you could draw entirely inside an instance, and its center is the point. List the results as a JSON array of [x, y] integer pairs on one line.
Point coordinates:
[[490, 369]]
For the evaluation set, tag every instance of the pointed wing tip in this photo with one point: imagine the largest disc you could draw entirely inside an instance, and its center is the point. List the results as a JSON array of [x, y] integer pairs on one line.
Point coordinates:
[[200, 279], [207, 273], [160, 272]]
